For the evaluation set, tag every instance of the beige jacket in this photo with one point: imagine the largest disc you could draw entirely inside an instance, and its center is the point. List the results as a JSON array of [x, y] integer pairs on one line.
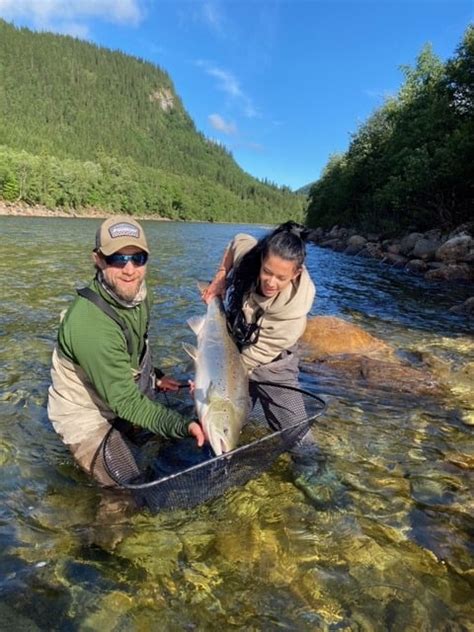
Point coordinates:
[[284, 315]]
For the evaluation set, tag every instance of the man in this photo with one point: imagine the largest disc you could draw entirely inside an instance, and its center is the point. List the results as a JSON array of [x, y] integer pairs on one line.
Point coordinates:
[[102, 373]]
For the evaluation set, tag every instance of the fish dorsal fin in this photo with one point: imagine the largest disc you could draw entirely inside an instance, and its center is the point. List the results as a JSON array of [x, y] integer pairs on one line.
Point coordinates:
[[190, 350], [196, 323]]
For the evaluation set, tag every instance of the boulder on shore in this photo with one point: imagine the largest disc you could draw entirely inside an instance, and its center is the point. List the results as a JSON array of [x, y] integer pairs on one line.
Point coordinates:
[[437, 255], [455, 249]]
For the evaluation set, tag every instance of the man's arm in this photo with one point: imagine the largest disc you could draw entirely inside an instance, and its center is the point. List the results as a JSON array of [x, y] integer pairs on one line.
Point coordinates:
[[94, 342]]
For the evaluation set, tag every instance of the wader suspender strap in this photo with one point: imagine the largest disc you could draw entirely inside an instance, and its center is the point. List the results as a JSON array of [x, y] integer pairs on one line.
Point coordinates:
[[95, 298], [123, 426]]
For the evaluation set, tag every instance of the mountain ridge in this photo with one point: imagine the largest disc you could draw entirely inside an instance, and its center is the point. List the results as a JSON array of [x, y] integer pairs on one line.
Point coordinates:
[[66, 99]]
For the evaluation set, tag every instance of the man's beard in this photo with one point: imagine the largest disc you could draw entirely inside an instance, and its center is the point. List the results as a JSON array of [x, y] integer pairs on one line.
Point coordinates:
[[128, 299], [127, 294]]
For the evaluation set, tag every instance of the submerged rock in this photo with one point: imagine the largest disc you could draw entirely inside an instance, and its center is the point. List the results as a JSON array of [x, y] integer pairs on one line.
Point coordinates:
[[389, 375], [451, 272], [418, 266], [397, 261], [461, 460], [331, 345], [464, 308], [328, 336]]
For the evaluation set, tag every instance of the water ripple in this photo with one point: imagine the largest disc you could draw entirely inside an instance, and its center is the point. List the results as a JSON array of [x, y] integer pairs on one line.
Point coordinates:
[[397, 554]]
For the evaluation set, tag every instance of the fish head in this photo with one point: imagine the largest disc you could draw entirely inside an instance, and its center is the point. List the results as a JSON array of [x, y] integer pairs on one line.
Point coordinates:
[[222, 424]]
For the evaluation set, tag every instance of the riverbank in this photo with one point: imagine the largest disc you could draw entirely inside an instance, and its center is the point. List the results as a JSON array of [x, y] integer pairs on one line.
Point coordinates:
[[18, 209], [441, 257], [445, 257]]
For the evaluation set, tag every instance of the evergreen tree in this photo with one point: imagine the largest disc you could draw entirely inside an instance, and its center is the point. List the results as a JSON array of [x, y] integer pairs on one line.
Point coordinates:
[[81, 125], [411, 164]]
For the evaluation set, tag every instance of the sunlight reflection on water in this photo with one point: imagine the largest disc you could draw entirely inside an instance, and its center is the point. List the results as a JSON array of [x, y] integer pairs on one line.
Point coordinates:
[[397, 555]]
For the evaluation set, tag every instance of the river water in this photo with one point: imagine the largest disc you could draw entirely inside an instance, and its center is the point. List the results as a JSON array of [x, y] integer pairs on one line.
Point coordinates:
[[396, 555]]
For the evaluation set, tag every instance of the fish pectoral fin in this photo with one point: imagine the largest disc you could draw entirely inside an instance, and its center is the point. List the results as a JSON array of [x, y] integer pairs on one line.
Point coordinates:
[[211, 391], [190, 350], [196, 323]]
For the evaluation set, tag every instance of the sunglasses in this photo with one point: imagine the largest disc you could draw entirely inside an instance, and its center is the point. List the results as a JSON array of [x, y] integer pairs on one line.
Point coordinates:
[[120, 261]]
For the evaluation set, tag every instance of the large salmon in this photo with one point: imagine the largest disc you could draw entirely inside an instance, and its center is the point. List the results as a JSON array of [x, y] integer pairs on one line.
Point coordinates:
[[221, 382]]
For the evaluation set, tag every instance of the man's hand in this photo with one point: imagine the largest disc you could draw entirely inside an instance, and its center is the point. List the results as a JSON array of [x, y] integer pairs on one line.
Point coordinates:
[[166, 383], [196, 431]]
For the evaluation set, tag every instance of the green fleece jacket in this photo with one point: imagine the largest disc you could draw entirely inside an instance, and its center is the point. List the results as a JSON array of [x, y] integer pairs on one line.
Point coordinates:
[[91, 339]]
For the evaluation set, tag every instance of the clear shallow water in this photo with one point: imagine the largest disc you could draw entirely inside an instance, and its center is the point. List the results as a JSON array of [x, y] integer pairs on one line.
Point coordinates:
[[397, 556]]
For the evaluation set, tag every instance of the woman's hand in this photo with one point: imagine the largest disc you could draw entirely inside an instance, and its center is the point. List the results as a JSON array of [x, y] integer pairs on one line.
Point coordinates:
[[166, 383], [196, 431], [215, 288]]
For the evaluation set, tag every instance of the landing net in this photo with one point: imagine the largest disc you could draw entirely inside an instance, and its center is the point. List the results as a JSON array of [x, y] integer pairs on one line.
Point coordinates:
[[176, 474]]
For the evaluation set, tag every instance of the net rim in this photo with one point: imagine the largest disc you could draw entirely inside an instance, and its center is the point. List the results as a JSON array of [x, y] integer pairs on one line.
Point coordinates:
[[221, 457]]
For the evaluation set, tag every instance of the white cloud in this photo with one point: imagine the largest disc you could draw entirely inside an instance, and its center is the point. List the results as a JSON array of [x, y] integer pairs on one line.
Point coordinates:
[[255, 146], [48, 13], [202, 12], [249, 110], [211, 16], [221, 125], [229, 84]]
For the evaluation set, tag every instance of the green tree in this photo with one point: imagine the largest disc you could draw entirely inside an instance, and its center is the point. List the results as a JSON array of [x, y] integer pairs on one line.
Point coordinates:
[[10, 187], [105, 129], [411, 163]]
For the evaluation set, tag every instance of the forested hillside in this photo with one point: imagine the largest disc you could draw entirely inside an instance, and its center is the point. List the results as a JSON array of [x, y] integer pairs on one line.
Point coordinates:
[[304, 190], [411, 165], [84, 126]]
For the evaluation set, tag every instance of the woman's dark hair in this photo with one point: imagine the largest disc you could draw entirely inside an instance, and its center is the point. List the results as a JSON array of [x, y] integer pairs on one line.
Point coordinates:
[[287, 241]]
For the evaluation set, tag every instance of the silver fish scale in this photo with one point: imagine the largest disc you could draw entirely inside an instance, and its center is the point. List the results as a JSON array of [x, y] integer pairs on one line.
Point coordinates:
[[221, 381]]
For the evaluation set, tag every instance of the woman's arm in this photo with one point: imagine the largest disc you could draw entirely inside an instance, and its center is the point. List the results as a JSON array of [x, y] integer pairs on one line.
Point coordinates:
[[218, 283], [233, 254]]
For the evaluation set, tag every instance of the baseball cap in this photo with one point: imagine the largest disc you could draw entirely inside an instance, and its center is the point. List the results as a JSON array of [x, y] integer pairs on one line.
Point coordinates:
[[117, 232]]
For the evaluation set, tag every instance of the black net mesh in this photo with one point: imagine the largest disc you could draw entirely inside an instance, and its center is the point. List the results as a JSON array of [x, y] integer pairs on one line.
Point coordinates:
[[169, 474]]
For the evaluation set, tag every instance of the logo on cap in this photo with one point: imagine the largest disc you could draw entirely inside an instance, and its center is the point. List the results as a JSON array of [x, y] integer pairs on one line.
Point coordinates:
[[124, 230]]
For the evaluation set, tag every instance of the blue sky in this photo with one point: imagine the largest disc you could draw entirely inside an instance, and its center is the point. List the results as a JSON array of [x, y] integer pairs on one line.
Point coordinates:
[[281, 83]]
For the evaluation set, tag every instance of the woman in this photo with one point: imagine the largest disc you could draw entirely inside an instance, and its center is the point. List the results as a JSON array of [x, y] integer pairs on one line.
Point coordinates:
[[268, 296]]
